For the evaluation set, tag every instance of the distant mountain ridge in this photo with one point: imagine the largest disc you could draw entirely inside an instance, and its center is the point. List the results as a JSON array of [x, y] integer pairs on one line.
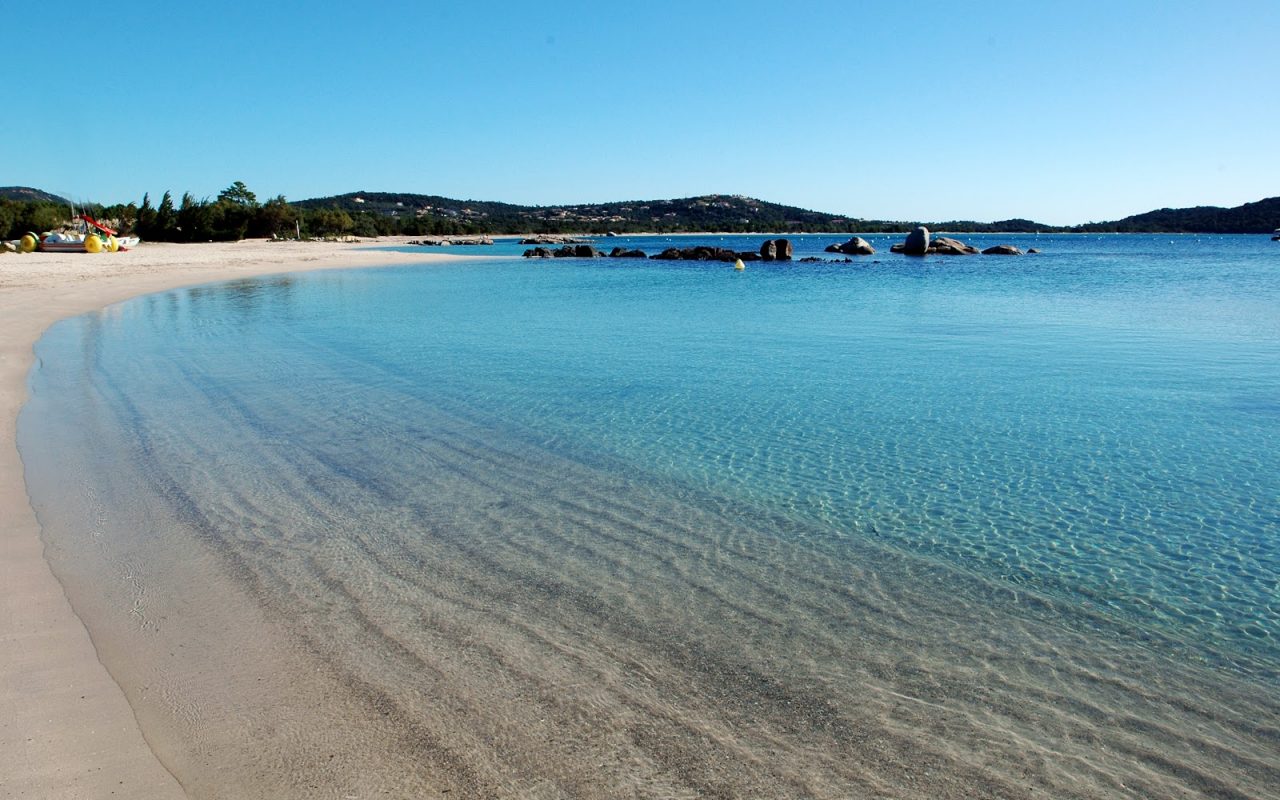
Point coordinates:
[[717, 212], [1260, 217], [25, 194], [705, 213], [739, 213]]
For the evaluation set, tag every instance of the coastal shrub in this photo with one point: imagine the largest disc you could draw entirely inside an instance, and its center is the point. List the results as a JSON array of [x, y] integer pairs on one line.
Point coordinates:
[[18, 217]]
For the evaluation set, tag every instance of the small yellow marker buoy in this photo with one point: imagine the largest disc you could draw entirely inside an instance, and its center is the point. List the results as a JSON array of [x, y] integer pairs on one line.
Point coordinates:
[[739, 266]]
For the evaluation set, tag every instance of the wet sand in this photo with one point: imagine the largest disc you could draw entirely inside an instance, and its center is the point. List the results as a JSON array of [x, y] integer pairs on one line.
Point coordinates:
[[66, 729]]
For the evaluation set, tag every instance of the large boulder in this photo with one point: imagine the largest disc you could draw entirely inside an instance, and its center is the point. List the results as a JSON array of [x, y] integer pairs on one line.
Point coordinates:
[[782, 249], [945, 246], [769, 250], [586, 251], [670, 254], [917, 243], [857, 246], [1002, 250], [537, 252]]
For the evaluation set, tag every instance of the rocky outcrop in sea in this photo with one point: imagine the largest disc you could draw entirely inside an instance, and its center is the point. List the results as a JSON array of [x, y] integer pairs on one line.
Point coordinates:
[[1002, 250], [857, 246]]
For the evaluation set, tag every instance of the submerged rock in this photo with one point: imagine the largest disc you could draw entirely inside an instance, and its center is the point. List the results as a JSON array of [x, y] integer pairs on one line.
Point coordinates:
[[1002, 250]]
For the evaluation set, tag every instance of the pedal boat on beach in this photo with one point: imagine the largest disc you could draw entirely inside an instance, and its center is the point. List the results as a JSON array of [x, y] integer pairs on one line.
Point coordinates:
[[94, 238]]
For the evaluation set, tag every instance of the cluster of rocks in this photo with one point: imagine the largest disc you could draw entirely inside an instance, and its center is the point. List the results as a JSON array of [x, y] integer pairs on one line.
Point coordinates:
[[920, 243], [701, 253], [771, 250], [568, 251], [438, 241]]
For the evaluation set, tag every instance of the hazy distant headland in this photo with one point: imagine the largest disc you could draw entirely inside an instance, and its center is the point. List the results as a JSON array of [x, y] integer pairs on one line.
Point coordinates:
[[236, 213]]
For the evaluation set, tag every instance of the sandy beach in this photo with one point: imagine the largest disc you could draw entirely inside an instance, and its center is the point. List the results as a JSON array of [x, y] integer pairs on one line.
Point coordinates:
[[66, 730]]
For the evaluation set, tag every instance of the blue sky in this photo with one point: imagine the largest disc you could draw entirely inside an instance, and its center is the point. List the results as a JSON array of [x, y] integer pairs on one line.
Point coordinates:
[[1063, 113]]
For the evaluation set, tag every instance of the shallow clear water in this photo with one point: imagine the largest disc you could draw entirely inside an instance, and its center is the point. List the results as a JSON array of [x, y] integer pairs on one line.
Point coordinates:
[[823, 477]]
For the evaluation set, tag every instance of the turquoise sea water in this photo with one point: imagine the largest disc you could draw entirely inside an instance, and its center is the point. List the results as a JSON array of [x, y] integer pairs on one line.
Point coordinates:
[[1081, 445]]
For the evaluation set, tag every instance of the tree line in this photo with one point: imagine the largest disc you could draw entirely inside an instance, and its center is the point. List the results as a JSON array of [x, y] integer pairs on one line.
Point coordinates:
[[237, 214]]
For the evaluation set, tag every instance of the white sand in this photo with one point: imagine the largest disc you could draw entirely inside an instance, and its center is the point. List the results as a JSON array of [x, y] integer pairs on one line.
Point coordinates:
[[66, 730]]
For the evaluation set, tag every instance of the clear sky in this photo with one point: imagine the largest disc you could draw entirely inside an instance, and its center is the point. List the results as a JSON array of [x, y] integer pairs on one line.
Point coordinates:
[[1060, 112]]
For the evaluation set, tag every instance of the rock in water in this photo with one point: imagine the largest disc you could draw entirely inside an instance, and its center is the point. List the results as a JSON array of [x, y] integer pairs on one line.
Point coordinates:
[[917, 243], [857, 246], [622, 252], [942, 245], [782, 249], [1002, 250], [768, 250]]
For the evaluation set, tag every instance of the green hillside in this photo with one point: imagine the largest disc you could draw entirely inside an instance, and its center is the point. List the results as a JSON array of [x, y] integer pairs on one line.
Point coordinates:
[[1260, 217], [25, 194], [707, 213]]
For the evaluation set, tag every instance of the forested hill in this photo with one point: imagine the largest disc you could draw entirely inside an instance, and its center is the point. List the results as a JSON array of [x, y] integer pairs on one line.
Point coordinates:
[[25, 194], [1260, 217], [237, 213], [418, 212], [708, 213]]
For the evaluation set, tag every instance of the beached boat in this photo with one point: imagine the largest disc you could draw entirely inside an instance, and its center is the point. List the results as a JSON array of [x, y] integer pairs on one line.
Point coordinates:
[[94, 238]]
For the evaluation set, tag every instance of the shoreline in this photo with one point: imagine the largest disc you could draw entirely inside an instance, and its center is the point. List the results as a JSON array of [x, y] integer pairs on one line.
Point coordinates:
[[65, 725]]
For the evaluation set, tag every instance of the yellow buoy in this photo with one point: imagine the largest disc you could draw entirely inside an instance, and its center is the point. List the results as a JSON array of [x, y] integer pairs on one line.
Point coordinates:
[[29, 243], [92, 244], [113, 244], [739, 266]]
